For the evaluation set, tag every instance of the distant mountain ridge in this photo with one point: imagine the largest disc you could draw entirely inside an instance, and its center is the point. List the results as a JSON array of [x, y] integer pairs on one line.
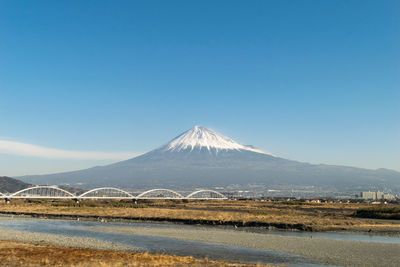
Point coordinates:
[[201, 157]]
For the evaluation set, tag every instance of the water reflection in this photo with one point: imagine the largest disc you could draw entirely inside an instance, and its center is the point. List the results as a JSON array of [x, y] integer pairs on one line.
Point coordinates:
[[156, 244]]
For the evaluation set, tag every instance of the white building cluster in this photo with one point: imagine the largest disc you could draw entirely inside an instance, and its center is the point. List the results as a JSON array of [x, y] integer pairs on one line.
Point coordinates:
[[377, 196]]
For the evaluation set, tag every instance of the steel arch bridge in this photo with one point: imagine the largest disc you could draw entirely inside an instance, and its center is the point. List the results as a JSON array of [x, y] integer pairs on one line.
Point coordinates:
[[54, 192], [106, 192], [160, 194], [42, 192], [206, 194]]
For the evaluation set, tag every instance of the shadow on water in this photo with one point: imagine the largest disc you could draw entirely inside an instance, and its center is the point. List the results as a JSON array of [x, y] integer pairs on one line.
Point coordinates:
[[157, 244]]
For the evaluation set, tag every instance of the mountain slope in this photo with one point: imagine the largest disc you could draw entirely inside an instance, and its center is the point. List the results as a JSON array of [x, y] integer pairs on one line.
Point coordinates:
[[199, 138], [11, 185], [201, 157]]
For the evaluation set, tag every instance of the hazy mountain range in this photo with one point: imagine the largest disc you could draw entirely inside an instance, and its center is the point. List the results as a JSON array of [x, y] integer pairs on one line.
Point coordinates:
[[201, 157]]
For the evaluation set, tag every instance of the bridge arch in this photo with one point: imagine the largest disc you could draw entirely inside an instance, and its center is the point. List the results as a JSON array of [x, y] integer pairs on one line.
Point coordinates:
[[106, 192], [42, 192], [160, 194], [206, 194]]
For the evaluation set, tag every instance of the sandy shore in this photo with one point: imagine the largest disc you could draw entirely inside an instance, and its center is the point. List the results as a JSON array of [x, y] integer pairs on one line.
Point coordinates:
[[57, 240], [19, 248], [325, 251]]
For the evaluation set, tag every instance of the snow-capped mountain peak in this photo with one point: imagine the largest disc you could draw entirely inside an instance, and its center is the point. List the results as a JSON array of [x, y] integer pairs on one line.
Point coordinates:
[[201, 137]]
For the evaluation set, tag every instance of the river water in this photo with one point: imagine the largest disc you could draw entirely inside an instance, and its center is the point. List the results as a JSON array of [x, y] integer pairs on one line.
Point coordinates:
[[176, 246]]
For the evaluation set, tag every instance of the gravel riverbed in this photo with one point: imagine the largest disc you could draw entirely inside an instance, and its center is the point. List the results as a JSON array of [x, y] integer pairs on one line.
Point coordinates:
[[58, 240], [325, 251]]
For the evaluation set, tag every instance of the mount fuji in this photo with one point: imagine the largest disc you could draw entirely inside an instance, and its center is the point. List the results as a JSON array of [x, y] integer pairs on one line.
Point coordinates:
[[201, 157], [200, 138]]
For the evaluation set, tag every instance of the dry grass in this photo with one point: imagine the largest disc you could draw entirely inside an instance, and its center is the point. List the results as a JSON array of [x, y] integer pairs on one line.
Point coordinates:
[[27, 254], [318, 216]]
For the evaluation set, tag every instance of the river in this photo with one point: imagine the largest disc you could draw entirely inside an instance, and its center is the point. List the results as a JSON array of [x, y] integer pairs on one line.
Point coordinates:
[[247, 245]]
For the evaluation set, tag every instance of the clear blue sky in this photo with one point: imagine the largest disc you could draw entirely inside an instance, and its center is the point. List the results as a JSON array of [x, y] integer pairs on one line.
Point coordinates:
[[315, 81]]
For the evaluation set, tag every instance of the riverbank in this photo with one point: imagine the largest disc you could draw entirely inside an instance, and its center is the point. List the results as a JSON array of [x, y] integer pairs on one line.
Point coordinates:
[[245, 245], [322, 250], [19, 248], [272, 215]]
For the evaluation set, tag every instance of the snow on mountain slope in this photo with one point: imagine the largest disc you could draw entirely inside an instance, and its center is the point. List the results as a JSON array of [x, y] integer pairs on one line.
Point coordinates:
[[200, 137], [201, 157]]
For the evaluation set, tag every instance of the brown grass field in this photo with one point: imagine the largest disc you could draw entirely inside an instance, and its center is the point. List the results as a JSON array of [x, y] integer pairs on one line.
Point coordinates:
[[283, 215], [28, 254]]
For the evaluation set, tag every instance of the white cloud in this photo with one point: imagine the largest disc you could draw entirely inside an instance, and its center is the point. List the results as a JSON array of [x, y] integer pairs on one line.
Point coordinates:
[[23, 149]]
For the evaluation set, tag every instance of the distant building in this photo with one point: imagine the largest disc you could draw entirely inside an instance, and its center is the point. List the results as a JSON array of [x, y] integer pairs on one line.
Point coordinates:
[[372, 195], [389, 197], [377, 196]]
